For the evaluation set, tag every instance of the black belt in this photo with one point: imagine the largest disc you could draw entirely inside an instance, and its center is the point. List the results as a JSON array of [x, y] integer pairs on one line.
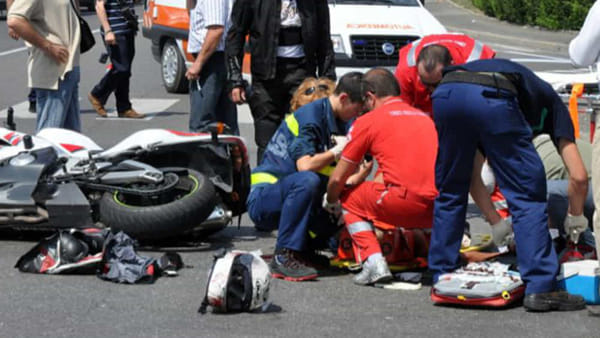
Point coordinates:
[[494, 80], [290, 36]]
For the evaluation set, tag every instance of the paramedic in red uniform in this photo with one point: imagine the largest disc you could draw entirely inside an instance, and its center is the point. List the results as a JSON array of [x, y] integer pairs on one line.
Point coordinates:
[[418, 75], [403, 141]]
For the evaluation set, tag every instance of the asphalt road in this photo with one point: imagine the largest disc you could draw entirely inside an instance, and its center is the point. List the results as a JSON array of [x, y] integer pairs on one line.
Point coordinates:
[[74, 306]]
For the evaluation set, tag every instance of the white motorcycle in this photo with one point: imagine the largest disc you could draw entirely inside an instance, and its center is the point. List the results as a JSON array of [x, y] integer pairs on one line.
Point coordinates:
[[155, 183]]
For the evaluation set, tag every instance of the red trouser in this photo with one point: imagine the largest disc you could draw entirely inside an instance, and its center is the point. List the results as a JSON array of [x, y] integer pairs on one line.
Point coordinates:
[[372, 201]]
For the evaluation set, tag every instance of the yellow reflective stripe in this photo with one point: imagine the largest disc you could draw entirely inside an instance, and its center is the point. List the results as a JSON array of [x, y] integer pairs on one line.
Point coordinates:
[[292, 124], [257, 178], [327, 171], [312, 234]]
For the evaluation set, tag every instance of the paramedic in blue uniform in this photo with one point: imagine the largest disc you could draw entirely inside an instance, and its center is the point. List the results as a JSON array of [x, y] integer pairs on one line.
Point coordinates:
[[289, 182], [494, 105]]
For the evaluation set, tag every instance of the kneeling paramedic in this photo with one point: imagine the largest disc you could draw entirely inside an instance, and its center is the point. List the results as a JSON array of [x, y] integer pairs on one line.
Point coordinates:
[[403, 140], [493, 105], [289, 182]]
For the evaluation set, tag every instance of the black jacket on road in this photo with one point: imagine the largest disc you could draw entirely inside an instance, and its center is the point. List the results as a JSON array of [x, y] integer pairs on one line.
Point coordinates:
[[261, 20]]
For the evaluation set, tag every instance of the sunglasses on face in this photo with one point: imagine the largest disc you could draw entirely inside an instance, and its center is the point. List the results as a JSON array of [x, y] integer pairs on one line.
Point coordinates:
[[311, 90]]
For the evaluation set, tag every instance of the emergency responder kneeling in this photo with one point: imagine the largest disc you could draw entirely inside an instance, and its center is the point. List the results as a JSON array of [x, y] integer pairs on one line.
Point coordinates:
[[403, 141], [289, 182]]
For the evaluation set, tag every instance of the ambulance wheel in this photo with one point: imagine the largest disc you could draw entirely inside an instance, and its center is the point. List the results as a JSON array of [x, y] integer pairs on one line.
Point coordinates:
[[173, 68], [175, 210]]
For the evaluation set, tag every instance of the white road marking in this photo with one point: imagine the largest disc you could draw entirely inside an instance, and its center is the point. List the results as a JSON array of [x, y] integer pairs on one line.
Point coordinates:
[[148, 107], [244, 115]]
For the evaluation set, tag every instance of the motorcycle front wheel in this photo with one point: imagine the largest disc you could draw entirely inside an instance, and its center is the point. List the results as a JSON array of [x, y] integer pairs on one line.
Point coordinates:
[[179, 209]]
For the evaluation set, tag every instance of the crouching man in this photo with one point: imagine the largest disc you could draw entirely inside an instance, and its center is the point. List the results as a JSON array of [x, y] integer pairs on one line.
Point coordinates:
[[403, 141], [289, 182]]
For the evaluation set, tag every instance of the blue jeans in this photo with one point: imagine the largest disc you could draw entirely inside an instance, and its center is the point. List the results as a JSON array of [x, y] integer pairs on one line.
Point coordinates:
[[117, 78], [60, 108], [209, 98], [558, 203]]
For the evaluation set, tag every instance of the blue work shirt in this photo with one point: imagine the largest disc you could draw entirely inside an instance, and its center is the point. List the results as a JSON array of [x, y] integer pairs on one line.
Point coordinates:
[[307, 131], [540, 104]]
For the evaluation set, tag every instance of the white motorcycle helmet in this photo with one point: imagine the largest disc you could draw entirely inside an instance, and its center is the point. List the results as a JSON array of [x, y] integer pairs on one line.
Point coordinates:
[[238, 281]]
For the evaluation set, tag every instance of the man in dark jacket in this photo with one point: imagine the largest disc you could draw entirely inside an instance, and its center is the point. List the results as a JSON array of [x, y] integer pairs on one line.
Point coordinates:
[[289, 41]]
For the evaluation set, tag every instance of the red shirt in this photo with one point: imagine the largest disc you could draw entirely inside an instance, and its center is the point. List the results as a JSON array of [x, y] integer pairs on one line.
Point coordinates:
[[462, 49], [404, 142]]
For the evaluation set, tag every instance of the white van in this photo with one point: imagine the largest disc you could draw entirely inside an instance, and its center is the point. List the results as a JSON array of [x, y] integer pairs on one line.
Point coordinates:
[[369, 33], [365, 34]]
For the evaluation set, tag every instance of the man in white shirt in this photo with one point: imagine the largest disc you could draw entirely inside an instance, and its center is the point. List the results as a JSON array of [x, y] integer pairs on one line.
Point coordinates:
[[51, 29], [209, 99], [584, 51]]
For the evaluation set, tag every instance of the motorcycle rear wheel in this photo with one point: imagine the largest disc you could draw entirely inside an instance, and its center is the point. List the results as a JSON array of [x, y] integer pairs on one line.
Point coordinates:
[[193, 202]]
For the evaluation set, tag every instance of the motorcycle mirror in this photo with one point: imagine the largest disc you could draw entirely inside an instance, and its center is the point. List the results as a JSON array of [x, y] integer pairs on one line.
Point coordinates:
[[216, 129], [10, 121], [27, 141]]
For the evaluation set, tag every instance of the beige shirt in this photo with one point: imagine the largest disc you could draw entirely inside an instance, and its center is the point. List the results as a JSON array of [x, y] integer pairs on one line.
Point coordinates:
[[57, 22]]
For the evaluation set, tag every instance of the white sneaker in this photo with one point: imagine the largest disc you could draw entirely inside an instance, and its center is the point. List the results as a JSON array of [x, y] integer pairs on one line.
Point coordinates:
[[373, 271]]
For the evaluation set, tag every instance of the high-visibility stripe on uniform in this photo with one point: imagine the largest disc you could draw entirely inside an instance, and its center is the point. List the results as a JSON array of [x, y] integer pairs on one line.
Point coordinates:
[[292, 124], [257, 178], [294, 128], [359, 227], [503, 204], [327, 171], [475, 52], [411, 58]]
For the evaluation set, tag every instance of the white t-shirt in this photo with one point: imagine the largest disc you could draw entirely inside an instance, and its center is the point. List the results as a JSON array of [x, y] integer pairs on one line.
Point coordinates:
[[290, 18], [584, 49]]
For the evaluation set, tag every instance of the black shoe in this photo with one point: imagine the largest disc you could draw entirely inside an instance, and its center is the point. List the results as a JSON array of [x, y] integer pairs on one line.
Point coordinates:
[[553, 301], [312, 258], [288, 266], [32, 106]]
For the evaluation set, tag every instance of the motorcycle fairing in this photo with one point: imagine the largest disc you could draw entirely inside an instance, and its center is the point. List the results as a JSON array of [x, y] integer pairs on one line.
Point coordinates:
[[17, 183]]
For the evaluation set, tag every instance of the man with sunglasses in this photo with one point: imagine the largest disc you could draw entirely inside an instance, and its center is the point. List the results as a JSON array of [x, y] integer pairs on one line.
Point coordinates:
[[289, 182], [419, 67], [495, 105], [403, 140]]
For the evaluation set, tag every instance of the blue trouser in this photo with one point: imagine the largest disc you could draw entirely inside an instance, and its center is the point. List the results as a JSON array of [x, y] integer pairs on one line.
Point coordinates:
[[117, 78], [558, 204], [292, 205], [60, 108], [470, 115], [209, 97]]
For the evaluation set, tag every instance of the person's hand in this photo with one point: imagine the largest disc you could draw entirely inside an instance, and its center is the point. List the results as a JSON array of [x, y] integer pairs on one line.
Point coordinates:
[[574, 226], [332, 208], [502, 234], [13, 35], [193, 72], [58, 53], [339, 142], [238, 95], [110, 38]]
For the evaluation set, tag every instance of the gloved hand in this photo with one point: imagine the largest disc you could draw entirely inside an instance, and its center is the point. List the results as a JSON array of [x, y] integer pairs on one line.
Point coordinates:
[[502, 234], [574, 226], [339, 142], [332, 208]]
